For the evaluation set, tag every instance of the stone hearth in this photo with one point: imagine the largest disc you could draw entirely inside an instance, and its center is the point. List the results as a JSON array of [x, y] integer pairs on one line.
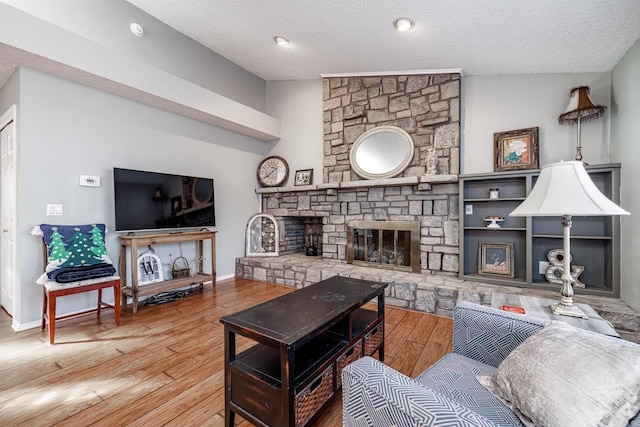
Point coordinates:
[[426, 293]]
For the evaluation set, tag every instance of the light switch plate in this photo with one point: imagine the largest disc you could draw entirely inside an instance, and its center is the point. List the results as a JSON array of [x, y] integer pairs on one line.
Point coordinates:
[[54, 210], [468, 209]]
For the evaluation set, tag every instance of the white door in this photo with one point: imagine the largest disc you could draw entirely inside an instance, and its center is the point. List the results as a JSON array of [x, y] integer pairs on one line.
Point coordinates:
[[8, 211]]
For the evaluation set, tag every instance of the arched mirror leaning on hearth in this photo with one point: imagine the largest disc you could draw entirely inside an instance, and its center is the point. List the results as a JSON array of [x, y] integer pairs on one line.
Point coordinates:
[[262, 236], [381, 152]]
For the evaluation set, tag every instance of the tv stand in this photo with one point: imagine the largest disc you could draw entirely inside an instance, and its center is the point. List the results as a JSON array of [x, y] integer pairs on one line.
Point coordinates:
[[135, 291]]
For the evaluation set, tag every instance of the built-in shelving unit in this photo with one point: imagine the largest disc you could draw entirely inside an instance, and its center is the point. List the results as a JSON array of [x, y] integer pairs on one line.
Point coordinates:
[[595, 241]]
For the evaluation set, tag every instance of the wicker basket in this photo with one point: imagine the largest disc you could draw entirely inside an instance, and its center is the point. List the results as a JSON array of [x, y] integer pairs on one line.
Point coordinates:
[[351, 355], [373, 339], [309, 400], [180, 268]]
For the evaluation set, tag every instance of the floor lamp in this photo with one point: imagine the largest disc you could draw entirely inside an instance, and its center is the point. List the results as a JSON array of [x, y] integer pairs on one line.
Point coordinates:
[[565, 189]]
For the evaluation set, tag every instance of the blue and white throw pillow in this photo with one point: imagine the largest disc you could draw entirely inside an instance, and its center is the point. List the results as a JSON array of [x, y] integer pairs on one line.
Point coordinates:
[[78, 247]]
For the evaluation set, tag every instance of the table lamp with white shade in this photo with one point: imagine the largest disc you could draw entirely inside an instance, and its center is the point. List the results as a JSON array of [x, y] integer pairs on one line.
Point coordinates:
[[565, 189]]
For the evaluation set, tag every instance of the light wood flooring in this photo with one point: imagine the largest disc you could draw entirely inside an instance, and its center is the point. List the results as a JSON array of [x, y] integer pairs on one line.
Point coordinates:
[[164, 365]]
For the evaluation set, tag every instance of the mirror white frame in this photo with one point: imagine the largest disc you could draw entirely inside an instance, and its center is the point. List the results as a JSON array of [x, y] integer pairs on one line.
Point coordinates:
[[381, 152], [262, 236]]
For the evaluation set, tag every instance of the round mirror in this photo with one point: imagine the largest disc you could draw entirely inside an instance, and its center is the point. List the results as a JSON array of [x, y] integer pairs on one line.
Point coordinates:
[[381, 152]]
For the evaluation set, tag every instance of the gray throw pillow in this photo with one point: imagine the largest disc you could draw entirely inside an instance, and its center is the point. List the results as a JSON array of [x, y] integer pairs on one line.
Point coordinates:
[[565, 376]]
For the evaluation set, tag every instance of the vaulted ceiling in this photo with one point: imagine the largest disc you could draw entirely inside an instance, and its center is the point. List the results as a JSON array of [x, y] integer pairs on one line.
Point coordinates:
[[483, 37]]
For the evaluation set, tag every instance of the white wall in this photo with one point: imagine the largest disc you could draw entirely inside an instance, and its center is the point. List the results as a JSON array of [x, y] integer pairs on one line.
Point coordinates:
[[625, 131], [502, 103], [67, 129], [299, 103]]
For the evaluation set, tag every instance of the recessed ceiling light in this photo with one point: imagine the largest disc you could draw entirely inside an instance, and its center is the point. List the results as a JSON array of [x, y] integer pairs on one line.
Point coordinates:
[[137, 29], [403, 24], [281, 40]]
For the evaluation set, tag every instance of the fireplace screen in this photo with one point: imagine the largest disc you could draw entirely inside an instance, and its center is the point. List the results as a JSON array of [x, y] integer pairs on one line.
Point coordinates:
[[389, 244]]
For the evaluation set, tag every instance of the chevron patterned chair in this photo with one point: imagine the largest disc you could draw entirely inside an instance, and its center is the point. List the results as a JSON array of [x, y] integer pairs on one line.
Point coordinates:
[[449, 393]]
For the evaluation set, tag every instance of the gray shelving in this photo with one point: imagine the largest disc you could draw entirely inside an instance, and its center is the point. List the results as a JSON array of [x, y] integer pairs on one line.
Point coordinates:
[[595, 241]]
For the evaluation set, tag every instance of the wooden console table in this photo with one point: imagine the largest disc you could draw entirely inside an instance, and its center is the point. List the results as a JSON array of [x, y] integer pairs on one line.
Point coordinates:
[[304, 340], [135, 291]]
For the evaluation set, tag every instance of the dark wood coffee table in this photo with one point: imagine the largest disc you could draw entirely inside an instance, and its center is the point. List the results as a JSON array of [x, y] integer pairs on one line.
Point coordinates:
[[303, 340]]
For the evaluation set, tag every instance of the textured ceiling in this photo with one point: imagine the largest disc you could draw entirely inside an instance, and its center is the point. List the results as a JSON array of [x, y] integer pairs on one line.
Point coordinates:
[[483, 37]]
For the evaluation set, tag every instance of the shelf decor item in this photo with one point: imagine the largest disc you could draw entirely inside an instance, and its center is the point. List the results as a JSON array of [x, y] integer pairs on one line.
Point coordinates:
[[494, 193], [303, 177], [555, 270], [262, 236], [494, 220], [273, 171], [565, 189], [180, 268], [515, 150], [149, 269], [496, 259], [580, 109]]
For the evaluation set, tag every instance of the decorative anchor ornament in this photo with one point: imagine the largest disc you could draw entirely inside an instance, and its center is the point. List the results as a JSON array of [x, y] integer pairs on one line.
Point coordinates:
[[553, 272]]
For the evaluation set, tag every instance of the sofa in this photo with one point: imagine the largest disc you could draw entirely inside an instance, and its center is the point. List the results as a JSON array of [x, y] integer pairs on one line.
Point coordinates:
[[546, 367]]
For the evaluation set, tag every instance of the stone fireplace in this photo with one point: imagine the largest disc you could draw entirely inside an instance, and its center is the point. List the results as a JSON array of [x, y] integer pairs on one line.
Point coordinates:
[[426, 204], [425, 106]]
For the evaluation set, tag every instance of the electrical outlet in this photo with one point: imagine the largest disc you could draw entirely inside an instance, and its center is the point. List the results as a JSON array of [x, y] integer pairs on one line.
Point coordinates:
[[468, 209], [542, 266]]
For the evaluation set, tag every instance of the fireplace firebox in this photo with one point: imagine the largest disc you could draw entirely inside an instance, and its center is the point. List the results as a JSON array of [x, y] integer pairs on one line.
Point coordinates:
[[385, 244]]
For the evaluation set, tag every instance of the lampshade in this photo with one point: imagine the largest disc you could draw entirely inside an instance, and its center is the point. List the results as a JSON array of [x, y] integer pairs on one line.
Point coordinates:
[[580, 107], [565, 188]]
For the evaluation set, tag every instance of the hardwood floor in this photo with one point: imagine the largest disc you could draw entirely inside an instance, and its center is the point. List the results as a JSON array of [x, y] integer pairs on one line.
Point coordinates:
[[163, 366]]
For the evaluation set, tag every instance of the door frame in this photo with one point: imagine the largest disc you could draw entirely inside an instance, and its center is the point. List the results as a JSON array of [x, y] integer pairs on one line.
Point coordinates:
[[9, 116]]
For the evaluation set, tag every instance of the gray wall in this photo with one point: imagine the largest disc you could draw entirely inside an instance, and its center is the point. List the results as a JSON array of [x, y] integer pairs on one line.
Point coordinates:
[[107, 22], [625, 137], [489, 104], [67, 129], [502, 103], [299, 103]]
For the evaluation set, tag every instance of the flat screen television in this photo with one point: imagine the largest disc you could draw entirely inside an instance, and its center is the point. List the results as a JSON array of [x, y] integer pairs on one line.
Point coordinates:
[[156, 201]]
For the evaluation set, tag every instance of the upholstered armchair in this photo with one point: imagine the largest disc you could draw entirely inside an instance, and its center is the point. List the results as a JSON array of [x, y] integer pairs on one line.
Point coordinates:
[[600, 373]]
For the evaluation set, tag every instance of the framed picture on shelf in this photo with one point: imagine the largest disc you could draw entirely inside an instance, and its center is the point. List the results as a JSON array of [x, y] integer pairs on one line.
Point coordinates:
[[304, 177], [515, 150], [496, 259]]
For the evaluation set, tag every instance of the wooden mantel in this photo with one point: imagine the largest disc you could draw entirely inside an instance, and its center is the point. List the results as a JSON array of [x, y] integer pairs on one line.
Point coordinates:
[[424, 182]]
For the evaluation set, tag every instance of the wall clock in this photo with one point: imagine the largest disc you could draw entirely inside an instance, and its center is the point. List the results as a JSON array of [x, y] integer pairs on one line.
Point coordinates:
[[273, 171]]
